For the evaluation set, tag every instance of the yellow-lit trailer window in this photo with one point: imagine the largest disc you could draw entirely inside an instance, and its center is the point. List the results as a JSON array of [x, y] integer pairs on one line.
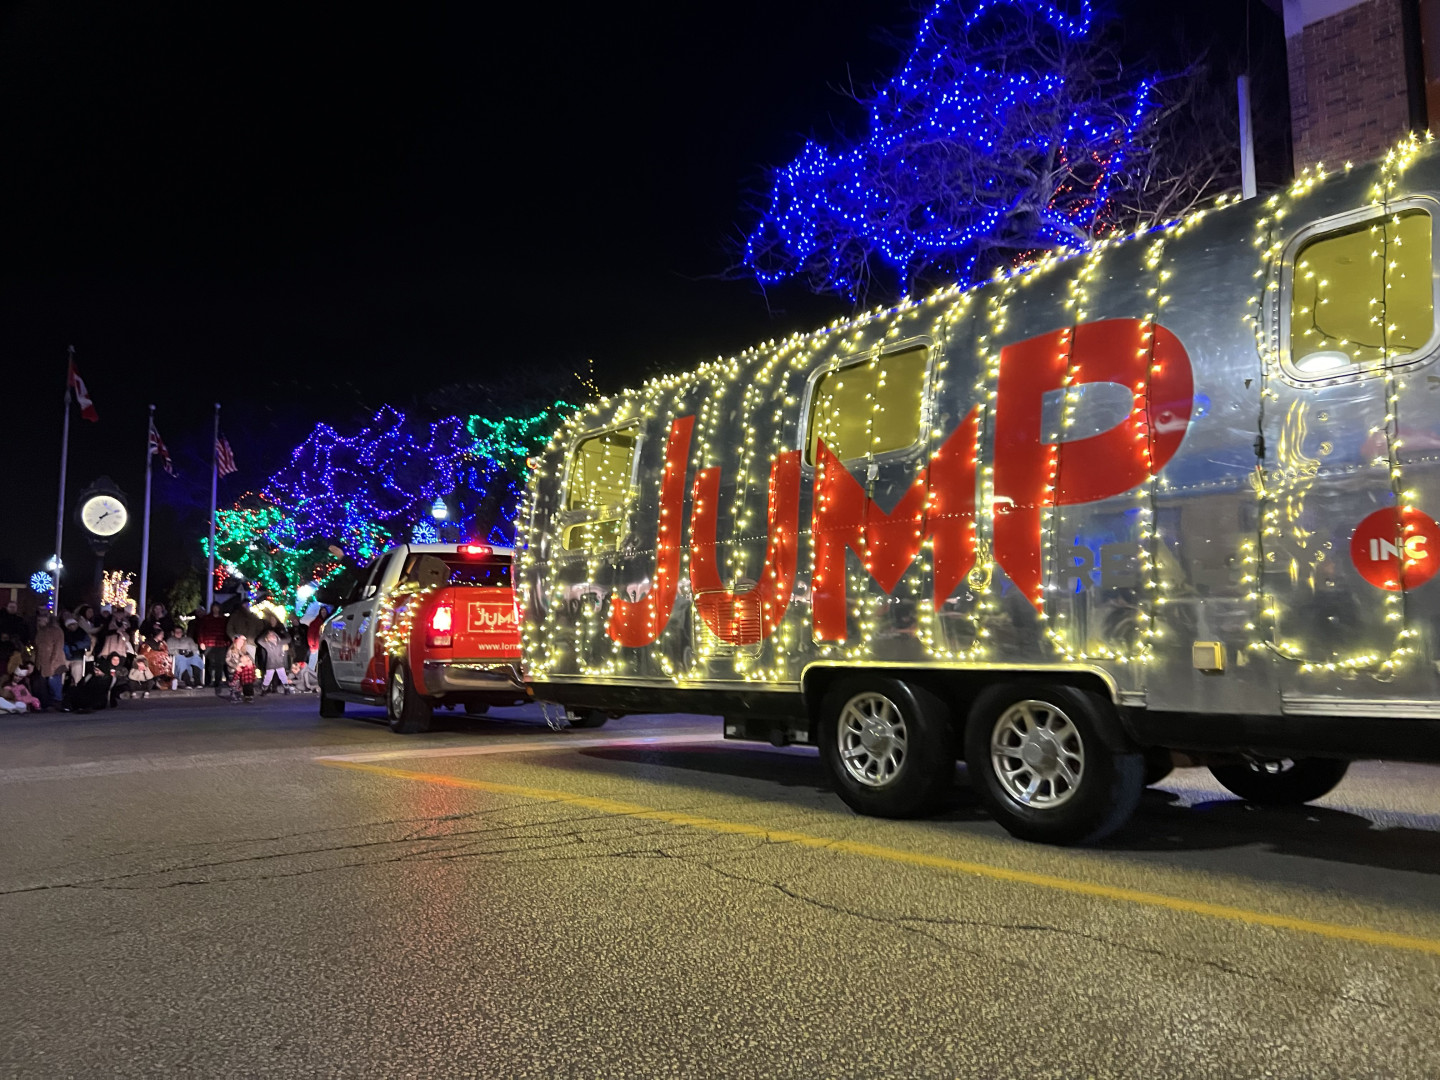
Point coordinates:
[[870, 407], [597, 486], [1361, 291]]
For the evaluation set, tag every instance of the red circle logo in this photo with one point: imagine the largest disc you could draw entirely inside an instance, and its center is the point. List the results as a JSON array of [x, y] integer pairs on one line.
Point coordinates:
[[1395, 549]]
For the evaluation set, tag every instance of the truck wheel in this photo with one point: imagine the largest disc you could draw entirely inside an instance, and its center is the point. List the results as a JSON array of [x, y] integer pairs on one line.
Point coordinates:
[[1040, 761], [888, 746], [586, 718], [330, 706], [409, 713], [1288, 782]]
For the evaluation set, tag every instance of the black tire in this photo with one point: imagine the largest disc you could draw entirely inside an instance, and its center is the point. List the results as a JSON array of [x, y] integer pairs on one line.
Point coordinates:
[[586, 718], [1286, 782], [1158, 765], [330, 706], [1081, 777], [409, 713], [475, 709], [889, 746]]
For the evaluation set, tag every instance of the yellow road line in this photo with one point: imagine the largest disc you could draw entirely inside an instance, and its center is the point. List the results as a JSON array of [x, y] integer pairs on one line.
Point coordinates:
[[1334, 931]]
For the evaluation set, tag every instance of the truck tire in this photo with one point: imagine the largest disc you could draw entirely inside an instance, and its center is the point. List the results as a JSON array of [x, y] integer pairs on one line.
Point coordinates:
[[1287, 782], [409, 713], [586, 718], [888, 746], [1051, 764], [330, 706]]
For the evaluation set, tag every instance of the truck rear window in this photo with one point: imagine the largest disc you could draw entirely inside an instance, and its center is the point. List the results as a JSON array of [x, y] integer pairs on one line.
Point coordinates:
[[463, 570]]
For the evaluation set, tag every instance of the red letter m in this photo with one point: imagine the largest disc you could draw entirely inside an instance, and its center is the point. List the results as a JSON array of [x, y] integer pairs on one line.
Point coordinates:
[[939, 505]]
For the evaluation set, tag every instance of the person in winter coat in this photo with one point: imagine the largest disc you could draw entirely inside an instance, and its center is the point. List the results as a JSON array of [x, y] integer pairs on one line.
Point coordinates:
[[240, 662], [16, 688], [142, 678], [116, 641], [88, 620], [88, 693], [12, 624], [185, 655], [50, 655], [119, 674], [157, 658], [157, 624], [213, 641], [78, 648], [276, 660]]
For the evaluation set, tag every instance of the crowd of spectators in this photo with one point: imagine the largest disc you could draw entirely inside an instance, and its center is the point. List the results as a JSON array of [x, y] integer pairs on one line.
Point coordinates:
[[87, 659]]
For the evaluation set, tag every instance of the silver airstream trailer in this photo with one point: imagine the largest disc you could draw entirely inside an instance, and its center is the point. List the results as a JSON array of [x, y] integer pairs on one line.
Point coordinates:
[[1173, 493]]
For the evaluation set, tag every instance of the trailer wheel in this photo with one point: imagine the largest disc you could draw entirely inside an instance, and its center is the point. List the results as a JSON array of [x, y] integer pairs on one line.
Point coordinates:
[[409, 713], [1287, 782], [888, 745], [1049, 763], [330, 706]]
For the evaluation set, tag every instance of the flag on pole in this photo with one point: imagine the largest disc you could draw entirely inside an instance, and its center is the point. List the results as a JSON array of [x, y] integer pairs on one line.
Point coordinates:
[[157, 447], [224, 457], [82, 394]]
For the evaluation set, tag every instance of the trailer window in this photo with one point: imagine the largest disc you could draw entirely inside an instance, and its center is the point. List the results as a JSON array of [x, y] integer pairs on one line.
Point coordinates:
[[1359, 291], [596, 487], [868, 408]]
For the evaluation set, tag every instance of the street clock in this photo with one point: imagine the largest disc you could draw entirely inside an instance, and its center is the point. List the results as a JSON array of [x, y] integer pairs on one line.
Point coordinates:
[[102, 510]]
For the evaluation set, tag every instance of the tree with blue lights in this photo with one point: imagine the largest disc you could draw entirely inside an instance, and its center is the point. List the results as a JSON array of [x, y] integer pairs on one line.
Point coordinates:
[[1010, 128], [384, 483]]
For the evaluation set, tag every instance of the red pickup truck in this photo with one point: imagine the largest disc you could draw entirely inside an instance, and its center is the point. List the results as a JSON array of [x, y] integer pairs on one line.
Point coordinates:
[[425, 625]]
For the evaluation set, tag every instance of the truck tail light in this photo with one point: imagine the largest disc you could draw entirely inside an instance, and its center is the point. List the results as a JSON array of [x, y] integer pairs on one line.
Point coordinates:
[[439, 634]]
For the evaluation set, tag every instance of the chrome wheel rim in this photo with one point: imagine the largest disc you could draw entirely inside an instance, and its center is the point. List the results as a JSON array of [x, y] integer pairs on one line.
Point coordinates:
[[397, 694], [1037, 754], [1271, 767], [872, 739]]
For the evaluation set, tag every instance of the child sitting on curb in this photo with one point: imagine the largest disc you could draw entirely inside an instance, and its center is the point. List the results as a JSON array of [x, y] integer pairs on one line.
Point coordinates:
[[240, 663]]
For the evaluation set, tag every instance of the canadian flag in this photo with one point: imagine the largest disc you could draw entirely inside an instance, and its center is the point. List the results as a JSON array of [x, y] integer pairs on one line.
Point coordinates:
[[82, 393]]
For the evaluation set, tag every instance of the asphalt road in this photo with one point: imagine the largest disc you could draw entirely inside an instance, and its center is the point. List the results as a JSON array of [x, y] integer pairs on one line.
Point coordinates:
[[200, 889]]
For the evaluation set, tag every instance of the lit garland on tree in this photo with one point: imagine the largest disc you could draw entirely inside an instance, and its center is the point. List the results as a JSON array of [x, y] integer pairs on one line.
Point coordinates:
[[1004, 132], [115, 590], [256, 542], [364, 492]]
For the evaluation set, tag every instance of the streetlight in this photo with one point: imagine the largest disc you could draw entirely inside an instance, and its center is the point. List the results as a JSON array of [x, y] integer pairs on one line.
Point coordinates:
[[438, 510]]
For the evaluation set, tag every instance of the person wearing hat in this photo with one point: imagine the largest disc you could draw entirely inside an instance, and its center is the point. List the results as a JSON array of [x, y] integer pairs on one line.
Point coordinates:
[[240, 662], [78, 644]]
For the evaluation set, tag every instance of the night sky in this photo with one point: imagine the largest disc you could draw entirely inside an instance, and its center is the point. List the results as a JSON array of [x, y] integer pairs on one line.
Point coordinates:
[[306, 214]]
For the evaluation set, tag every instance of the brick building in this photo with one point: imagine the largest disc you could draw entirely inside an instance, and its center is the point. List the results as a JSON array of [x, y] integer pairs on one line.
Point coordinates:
[[1362, 74]]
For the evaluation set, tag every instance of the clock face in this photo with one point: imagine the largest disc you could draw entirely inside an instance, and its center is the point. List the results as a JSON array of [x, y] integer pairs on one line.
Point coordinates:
[[103, 515]]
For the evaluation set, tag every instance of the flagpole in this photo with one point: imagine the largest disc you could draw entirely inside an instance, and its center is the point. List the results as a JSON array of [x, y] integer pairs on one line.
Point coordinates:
[[60, 509], [214, 477], [145, 531]]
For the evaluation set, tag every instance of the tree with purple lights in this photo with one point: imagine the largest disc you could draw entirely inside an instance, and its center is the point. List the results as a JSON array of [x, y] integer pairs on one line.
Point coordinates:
[[382, 484], [1011, 127]]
